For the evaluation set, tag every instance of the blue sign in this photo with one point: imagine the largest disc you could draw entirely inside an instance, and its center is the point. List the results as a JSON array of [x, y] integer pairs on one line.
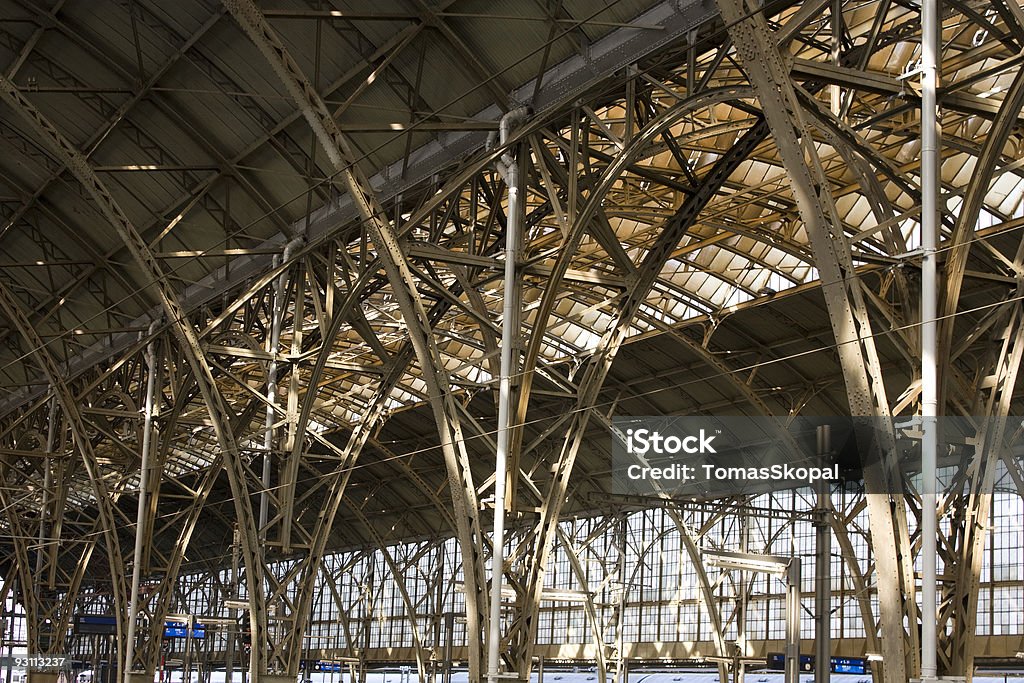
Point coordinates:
[[175, 629], [849, 665], [198, 630], [327, 666]]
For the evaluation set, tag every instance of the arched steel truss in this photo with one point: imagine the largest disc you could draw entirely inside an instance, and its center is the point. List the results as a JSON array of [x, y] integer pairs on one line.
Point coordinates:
[[698, 183]]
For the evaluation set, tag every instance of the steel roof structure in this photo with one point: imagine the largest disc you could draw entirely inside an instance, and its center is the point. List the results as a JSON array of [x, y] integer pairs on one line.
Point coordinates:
[[264, 246]]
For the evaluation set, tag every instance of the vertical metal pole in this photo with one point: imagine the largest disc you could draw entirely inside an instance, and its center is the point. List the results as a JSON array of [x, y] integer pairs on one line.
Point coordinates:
[[140, 515], [229, 663], [691, 62], [10, 629], [793, 621], [51, 433], [930, 132], [438, 676], [823, 565], [619, 609], [449, 645], [741, 606], [3, 621], [509, 168], [269, 417], [837, 34], [97, 672], [186, 667]]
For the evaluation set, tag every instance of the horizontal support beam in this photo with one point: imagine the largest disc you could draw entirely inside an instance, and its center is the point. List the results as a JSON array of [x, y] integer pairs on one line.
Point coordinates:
[[260, 354], [561, 85], [883, 84], [590, 277], [432, 252], [417, 126]]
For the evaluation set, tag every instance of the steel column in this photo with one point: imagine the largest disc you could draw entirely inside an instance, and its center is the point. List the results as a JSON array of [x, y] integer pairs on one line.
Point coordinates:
[[140, 538], [793, 613], [270, 416], [850, 323], [508, 166], [51, 429], [930, 131], [823, 564], [405, 291]]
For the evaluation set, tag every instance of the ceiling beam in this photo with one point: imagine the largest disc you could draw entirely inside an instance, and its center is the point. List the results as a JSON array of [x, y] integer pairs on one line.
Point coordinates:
[[561, 85]]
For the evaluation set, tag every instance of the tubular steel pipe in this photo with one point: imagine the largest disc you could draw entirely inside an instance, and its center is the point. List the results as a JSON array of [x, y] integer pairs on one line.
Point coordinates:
[[793, 578], [51, 437], [930, 133], [277, 318], [509, 169], [229, 656], [268, 428], [823, 565], [140, 517]]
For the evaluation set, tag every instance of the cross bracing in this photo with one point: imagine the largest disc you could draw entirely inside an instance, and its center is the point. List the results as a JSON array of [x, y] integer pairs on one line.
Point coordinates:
[[709, 191]]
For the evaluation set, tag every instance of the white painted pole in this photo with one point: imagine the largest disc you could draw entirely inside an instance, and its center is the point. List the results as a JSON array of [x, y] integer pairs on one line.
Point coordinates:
[[140, 517], [930, 131], [793, 577], [229, 658], [823, 565], [509, 168]]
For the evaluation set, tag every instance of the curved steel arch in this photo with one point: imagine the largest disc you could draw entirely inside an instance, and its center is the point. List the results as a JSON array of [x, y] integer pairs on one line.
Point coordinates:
[[600, 363], [104, 498], [851, 327], [141, 254], [960, 244], [403, 285]]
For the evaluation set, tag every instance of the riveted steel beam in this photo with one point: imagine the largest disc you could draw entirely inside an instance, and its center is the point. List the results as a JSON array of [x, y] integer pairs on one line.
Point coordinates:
[[523, 637], [851, 326], [404, 289], [105, 497], [883, 84], [220, 414], [969, 514]]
